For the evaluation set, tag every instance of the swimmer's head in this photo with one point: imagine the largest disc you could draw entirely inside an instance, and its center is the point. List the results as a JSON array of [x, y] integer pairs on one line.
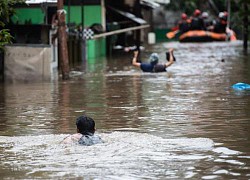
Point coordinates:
[[85, 125], [154, 58]]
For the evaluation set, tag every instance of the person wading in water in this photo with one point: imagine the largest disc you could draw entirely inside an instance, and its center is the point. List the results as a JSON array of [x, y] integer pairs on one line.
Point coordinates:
[[153, 65]]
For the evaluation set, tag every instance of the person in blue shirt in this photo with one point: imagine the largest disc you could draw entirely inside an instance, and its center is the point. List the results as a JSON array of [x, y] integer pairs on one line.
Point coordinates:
[[153, 65], [85, 133]]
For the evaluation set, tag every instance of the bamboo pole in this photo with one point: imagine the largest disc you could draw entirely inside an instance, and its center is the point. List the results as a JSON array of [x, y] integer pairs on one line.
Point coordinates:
[[120, 31], [62, 38]]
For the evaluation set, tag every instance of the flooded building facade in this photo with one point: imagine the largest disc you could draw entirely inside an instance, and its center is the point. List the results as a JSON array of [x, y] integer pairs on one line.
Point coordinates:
[[117, 22]]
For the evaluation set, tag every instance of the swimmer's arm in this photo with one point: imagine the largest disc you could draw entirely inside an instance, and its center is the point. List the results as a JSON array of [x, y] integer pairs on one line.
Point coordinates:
[[67, 140], [171, 58], [134, 61], [71, 138]]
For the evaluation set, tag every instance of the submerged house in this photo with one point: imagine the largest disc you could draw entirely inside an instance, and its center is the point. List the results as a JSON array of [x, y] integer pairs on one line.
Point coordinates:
[[32, 22], [34, 54], [137, 14]]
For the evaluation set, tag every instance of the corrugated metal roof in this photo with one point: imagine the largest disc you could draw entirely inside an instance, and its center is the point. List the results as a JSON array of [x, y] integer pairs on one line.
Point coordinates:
[[149, 3], [154, 3], [55, 1], [162, 1], [40, 1]]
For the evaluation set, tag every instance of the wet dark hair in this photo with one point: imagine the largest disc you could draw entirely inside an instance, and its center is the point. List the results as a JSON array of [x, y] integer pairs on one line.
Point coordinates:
[[85, 125], [168, 56]]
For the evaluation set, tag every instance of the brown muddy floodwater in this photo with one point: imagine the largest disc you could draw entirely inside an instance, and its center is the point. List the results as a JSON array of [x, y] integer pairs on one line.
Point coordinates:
[[185, 123]]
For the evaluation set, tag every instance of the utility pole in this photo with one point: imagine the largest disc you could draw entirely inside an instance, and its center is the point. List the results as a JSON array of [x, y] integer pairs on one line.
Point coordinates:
[[245, 26], [229, 13], [137, 12], [62, 38]]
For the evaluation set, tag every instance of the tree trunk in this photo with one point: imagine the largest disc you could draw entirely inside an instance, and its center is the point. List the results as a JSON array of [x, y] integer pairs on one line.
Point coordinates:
[[62, 38]]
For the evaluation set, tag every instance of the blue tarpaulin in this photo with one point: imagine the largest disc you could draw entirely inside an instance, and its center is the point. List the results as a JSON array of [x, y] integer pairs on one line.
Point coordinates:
[[241, 86]]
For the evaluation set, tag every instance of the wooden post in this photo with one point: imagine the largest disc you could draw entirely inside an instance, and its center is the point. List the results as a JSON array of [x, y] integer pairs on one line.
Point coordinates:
[[62, 38], [229, 13], [103, 15], [83, 40], [137, 12]]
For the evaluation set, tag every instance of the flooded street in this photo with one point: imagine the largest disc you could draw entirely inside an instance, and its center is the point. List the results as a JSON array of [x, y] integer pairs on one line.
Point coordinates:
[[184, 123]]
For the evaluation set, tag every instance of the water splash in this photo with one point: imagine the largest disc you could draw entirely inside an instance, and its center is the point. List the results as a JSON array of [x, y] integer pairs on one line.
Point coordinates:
[[122, 153]]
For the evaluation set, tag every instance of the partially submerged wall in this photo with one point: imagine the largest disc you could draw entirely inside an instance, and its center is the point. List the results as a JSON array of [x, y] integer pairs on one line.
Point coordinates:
[[29, 63]]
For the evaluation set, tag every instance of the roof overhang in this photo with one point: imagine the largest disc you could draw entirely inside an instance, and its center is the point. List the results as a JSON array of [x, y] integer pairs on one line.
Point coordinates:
[[162, 1], [154, 3], [130, 16], [40, 1], [149, 4]]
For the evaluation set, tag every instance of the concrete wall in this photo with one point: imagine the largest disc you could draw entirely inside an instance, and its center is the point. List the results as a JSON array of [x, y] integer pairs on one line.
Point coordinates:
[[29, 63]]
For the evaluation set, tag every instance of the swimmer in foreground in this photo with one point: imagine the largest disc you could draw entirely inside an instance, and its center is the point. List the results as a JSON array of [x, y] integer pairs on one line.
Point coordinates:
[[85, 133], [154, 66]]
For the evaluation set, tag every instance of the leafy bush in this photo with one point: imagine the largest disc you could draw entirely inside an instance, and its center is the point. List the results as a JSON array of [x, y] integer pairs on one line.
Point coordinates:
[[6, 11]]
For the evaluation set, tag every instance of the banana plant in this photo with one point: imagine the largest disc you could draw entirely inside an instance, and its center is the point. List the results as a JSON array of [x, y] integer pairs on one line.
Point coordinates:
[[5, 38]]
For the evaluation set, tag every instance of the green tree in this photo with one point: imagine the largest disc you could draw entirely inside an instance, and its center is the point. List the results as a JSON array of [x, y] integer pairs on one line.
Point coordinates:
[[6, 11]]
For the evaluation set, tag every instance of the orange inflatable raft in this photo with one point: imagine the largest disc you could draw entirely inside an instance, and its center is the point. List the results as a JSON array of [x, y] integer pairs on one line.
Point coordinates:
[[206, 36]]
